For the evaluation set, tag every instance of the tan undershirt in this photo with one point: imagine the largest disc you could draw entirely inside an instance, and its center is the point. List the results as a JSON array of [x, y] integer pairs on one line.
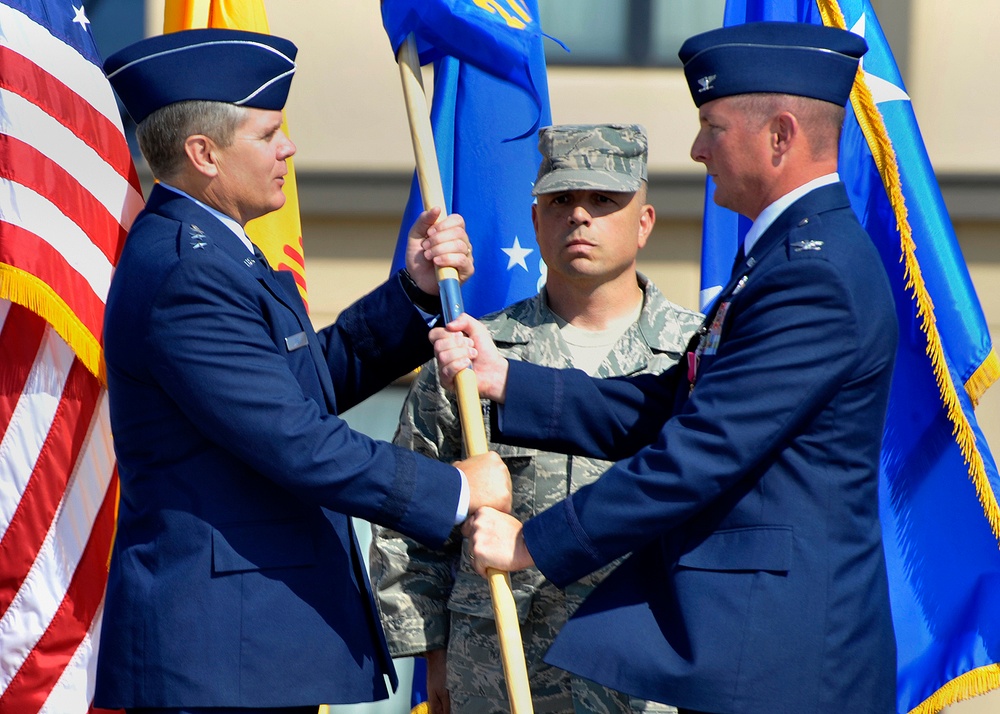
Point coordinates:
[[588, 348]]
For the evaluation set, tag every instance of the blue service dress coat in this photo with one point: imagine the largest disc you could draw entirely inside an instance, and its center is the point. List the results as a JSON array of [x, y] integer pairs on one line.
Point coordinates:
[[236, 579], [750, 497]]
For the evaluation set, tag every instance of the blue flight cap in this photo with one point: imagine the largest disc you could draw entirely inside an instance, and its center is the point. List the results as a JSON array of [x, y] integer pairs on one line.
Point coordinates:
[[244, 68], [780, 57]]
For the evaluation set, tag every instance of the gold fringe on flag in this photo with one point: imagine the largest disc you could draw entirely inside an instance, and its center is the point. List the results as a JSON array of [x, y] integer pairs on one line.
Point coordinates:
[[873, 127], [28, 291], [985, 375], [973, 683]]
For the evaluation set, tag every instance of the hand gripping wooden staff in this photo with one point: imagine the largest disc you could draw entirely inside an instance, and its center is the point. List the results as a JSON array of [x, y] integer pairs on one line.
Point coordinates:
[[470, 412]]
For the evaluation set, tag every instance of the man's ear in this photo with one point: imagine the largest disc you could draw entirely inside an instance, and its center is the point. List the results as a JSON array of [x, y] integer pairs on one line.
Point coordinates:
[[785, 130], [647, 219], [200, 151]]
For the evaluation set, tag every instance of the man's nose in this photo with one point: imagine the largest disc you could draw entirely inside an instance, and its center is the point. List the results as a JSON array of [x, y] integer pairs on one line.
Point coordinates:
[[579, 215], [288, 148], [698, 150]]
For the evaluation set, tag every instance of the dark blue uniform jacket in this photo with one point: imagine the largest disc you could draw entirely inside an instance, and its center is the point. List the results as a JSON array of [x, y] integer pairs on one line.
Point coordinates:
[[236, 578], [750, 499]]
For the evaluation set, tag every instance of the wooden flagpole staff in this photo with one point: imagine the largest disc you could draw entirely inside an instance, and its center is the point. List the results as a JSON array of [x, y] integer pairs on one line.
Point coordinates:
[[470, 412]]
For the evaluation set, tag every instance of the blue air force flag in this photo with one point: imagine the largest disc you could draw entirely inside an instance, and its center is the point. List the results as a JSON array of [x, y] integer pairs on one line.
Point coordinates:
[[490, 95]]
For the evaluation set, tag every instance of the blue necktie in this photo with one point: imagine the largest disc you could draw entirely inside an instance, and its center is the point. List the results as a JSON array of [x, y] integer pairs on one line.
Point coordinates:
[[260, 257], [741, 259]]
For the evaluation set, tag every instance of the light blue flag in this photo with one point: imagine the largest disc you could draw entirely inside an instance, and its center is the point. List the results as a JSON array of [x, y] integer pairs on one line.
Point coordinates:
[[940, 518], [497, 37], [485, 118]]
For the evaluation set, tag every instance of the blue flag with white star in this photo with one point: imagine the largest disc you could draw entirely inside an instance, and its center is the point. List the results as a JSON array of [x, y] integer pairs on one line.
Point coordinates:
[[484, 119], [939, 482]]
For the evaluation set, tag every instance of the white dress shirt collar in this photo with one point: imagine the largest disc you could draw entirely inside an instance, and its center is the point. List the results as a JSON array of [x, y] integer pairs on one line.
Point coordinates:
[[770, 214], [230, 223]]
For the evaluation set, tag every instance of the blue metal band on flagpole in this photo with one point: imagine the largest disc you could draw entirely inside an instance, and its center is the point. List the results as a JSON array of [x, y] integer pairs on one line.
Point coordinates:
[[451, 299]]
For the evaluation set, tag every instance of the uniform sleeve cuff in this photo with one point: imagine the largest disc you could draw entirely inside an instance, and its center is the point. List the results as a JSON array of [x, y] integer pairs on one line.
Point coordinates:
[[463, 499]]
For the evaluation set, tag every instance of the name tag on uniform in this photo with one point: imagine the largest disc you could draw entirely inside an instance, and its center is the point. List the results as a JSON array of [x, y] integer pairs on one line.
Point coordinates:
[[296, 341]]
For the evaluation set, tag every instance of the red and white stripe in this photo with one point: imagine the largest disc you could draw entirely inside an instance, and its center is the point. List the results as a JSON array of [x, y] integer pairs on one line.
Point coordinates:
[[68, 188], [68, 193]]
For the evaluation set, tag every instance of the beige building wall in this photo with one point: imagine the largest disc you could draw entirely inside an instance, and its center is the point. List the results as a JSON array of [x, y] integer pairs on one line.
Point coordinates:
[[954, 85], [346, 115]]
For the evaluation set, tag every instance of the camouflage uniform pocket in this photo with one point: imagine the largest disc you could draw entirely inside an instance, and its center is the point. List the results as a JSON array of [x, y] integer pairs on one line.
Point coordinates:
[[471, 596]]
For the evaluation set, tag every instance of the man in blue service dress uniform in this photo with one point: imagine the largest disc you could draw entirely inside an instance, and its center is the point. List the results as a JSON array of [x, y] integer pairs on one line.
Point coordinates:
[[236, 581], [747, 486]]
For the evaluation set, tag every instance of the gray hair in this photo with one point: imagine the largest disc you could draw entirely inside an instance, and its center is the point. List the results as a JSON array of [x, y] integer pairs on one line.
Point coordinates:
[[822, 120], [162, 134]]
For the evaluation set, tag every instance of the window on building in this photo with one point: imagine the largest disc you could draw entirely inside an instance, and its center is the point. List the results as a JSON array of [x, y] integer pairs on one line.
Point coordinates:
[[636, 33]]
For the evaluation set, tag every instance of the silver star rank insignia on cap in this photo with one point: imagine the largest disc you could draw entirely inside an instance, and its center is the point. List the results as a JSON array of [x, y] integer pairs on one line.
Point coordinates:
[[807, 245]]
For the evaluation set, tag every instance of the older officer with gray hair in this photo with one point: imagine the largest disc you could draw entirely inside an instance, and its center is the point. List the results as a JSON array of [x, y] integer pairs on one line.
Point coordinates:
[[236, 583], [595, 313], [747, 487]]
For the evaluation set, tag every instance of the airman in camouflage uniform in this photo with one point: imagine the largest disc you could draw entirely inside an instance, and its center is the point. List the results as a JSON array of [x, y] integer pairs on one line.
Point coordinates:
[[430, 600]]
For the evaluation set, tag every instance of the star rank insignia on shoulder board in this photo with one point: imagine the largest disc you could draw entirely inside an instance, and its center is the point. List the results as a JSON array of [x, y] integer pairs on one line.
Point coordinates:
[[801, 245], [197, 236]]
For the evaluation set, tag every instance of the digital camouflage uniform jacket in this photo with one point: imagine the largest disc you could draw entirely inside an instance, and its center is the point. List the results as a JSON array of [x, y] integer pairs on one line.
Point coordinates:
[[430, 599]]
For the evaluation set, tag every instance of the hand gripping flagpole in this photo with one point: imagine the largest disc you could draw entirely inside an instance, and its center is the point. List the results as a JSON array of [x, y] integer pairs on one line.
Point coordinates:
[[470, 412]]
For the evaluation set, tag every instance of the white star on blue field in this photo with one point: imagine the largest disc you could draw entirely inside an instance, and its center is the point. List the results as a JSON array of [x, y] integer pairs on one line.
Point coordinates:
[[81, 17], [516, 254], [882, 89]]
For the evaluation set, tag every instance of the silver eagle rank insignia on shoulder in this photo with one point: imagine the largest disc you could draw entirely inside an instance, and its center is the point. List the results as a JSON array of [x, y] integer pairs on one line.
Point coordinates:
[[800, 245]]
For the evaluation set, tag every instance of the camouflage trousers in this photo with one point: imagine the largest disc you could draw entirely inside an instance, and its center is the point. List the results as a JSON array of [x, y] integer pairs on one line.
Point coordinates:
[[477, 685]]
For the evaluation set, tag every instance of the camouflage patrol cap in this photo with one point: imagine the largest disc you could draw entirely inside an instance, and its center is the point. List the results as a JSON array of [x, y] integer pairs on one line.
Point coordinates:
[[589, 157]]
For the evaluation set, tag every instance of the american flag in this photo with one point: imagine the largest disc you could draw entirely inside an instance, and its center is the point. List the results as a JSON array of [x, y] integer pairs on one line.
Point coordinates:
[[68, 193]]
